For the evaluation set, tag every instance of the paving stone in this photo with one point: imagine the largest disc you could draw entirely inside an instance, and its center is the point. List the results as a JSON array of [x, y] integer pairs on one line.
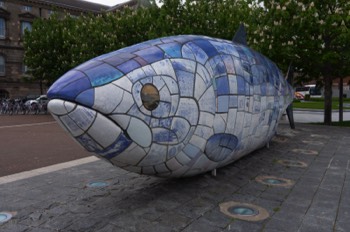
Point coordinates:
[[319, 197]]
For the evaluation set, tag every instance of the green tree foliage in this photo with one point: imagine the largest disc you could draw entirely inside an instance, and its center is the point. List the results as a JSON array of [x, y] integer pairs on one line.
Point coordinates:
[[58, 44], [313, 34]]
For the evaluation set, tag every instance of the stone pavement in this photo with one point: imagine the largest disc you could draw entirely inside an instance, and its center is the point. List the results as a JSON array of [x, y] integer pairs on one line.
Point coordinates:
[[317, 199]]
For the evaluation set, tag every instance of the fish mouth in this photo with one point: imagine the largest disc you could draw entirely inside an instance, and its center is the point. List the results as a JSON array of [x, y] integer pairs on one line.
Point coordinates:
[[91, 129]]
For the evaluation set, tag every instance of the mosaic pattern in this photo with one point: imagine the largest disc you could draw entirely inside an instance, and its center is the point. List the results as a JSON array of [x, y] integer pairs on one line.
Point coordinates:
[[174, 106]]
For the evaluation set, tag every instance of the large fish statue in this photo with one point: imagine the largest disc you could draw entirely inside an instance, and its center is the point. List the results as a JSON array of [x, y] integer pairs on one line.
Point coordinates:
[[172, 107]]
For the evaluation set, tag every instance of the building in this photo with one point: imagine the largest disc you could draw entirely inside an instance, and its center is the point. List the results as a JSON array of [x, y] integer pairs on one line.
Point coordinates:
[[18, 15]]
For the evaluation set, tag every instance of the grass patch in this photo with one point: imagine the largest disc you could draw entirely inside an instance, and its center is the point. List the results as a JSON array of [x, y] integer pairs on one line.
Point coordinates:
[[318, 104], [342, 124]]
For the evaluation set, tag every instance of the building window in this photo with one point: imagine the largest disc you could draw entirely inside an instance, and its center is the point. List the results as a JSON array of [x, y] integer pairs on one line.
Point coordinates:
[[27, 8], [25, 26], [2, 28], [24, 69], [2, 65]]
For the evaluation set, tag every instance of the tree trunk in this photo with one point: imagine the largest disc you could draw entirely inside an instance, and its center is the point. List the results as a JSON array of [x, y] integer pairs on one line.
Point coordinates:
[[327, 100], [341, 99]]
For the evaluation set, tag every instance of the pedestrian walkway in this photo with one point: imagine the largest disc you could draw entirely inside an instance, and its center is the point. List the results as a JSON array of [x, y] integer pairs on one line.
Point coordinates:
[[301, 183]]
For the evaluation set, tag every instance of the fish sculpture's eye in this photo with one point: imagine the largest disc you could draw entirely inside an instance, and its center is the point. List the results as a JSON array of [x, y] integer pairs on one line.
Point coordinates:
[[150, 97]]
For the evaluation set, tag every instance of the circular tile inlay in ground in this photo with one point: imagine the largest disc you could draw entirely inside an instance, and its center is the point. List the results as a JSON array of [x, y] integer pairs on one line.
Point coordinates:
[[5, 216], [244, 211], [97, 184], [293, 163], [305, 152], [274, 181]]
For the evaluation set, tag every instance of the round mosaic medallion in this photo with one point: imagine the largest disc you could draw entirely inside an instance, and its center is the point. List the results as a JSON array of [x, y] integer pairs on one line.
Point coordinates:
[[4, 217], [305, 152], [274, 181], [311, 142], [244, 211], [97, 184], [292, 163]]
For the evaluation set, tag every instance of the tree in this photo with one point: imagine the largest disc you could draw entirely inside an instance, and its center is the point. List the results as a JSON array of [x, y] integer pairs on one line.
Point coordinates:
[[313, 34]]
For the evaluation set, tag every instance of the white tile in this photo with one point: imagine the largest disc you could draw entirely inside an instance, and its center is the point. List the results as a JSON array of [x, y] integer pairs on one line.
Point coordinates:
[[123, 83], [183, 158], [173, 164], [131, 156], [206, 118], [71, 126], [156, 155], [83, 117], [203, 72], [161, 169], [107, 98], [231, 121], [139, 132], [126, 104], [219, 125], [208, 102], [171, 84], [188, 109], [204, 131], [104, 131], [56, 107], [200, 86], [69, 106], [164, 67], [198, 141], [121, 119], [136, 75], [181, 127]]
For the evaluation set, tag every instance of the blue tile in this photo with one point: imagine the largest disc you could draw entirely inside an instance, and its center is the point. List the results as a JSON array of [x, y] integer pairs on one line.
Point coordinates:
[[218, 66], [206, 46], [191, 151], [71, 90], [86, 98], [222, 85], [103, 74], [185, 80], [116, 148], [187, 53], [217, 143], [128, 66], [65, 80], [233, 102], [199, 55], [151, 54], [172, 50], [223, 104], [162, 110], [118, 58], [241, 85], [162, 135], [88, 65]]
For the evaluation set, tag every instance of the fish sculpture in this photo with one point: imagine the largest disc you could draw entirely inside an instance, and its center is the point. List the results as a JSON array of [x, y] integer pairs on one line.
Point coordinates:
[[174, 106]]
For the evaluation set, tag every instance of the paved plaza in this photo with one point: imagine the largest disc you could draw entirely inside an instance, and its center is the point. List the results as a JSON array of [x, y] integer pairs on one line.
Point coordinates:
[[307, 189]]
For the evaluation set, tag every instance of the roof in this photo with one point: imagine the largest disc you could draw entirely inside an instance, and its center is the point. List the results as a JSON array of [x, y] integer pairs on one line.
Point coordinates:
[[130, 3], [78, 5]]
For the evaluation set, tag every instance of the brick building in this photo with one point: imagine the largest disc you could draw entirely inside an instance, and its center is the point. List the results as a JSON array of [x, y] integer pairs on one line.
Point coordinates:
[[18, 15]]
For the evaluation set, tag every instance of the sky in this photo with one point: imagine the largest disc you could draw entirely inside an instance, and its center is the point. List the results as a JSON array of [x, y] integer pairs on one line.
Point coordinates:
[[107, 2]]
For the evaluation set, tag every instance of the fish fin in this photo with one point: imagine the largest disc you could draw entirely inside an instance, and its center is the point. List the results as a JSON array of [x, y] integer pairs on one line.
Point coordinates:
[[240, 36], [289, 78]]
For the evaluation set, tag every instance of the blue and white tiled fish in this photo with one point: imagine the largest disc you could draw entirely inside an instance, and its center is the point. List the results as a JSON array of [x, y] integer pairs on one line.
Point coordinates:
[[174, 106]]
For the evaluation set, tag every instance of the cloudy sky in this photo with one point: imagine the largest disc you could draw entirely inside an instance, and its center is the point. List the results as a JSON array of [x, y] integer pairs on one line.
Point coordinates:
[[107, 2]]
